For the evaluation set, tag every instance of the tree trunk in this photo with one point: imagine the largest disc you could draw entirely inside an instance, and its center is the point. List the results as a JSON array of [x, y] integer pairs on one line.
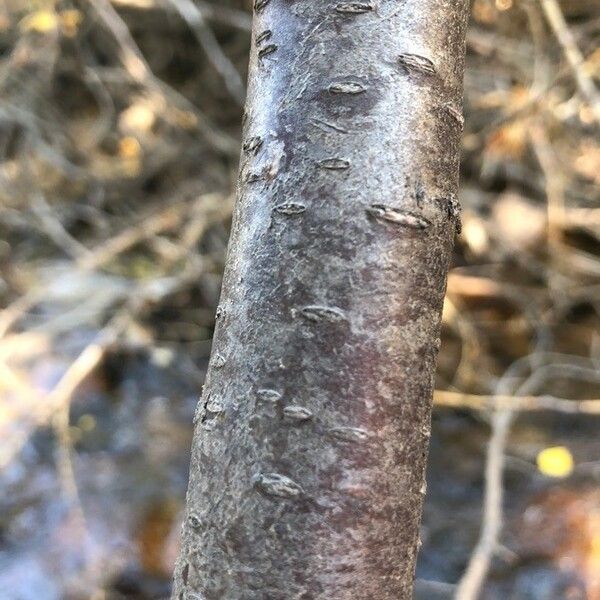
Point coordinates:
[[308, 463]]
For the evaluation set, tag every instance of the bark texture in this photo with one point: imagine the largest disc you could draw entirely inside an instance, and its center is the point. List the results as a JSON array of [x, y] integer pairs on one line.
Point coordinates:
[[307, 474]]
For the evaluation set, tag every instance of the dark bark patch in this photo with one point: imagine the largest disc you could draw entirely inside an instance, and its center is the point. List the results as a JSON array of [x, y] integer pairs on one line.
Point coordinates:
[[334, 164], [455, 113], [185, 573], [402, 218], [347, 87], [417, 63], [260, 5], [201, 409], [278, 486], [265, 173], [290, 208], [354, 8], [195, 522], [212, 411], [252, 145], [454, 208], [270, 49], [263, 36], [419, 193], [324, 313], [255, 177]]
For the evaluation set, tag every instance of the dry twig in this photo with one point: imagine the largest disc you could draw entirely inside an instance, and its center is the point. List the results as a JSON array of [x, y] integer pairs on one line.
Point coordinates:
[[471, 582], [193, 15], [563, 34]]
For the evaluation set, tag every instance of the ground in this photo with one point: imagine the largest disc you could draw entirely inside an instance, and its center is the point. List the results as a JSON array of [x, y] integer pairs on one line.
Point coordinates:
[[120, 131]]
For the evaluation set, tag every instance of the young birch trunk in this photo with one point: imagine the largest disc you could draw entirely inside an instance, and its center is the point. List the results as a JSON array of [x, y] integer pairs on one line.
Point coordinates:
[[307, 474]]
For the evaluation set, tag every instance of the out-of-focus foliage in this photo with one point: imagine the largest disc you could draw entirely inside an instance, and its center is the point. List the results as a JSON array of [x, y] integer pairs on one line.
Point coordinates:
[[556, 461], [119, 136]]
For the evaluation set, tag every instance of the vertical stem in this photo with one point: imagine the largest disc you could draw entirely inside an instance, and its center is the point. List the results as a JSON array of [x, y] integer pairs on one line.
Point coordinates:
[[307, 474]]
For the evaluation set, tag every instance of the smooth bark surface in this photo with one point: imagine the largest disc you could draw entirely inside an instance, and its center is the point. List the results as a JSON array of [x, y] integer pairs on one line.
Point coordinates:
[[307, 474]]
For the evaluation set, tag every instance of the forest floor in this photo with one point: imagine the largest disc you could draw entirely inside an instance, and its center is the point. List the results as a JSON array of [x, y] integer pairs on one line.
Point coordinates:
[[119, 137]]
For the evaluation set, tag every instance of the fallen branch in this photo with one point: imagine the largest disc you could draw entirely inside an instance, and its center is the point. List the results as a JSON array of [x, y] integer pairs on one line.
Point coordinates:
[[448, 399]]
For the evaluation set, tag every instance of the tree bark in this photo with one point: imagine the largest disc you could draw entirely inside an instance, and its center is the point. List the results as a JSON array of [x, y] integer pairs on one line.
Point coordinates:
[[308, 464]]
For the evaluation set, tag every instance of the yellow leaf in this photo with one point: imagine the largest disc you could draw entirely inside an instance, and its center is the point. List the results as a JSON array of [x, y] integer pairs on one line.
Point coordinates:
[[509, 140], [185, 118], [4, 22], [475, 234], [138, 117], [483, 12], [504, 4], [70, 20], [556, 461], [86, 423], [129, 147], [41, 21]]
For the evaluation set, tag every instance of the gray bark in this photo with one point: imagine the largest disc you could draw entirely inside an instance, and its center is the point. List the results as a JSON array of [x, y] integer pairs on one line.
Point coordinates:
[[307, 473]]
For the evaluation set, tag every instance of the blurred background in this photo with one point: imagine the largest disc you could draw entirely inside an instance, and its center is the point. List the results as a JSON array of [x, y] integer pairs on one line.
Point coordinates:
[[119, 136]]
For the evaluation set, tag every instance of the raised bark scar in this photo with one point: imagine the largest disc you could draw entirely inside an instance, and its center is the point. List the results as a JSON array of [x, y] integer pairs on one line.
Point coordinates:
[[403, 218], [270, 49], [252, 145], [269, 396], [200, 413], [218, 361], [334, 164], [347, 87], [297, 413], [260, 5], [325, 126], [262, 37], [354, 8], [195, 522], [278, 485], [416, 62], [290, 208], [455, 113], [324, 313], [349, 434]]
